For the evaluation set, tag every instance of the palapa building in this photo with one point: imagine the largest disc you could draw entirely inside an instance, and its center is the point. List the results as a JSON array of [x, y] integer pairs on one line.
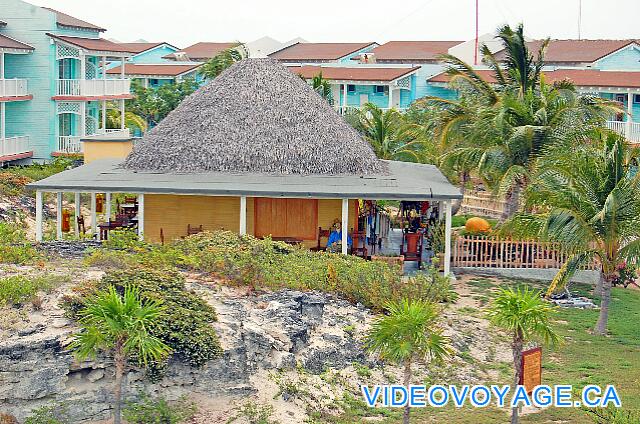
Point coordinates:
[[255, 151]]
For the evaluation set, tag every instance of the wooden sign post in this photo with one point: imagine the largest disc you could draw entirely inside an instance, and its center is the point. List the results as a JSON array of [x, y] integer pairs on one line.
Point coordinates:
[[531, 369]]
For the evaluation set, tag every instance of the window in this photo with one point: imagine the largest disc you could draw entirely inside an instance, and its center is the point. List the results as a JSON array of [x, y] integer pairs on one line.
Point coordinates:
[[351, 88], [636, 98], [379, 89]]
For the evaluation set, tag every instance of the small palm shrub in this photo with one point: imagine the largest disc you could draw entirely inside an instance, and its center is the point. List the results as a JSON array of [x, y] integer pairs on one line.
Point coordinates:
[[184, 323]]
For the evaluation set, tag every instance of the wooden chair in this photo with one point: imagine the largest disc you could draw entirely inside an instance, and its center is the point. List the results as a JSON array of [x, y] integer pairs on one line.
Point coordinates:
[[321, 234], [412, 245], [193, 230]]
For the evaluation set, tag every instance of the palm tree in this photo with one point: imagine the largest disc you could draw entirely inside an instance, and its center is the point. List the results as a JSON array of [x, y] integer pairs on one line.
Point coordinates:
[[407, 333], [322, 87], [589, 204], [214, 66], [119, 325], [388, 133], [500, 129], [525, 314]]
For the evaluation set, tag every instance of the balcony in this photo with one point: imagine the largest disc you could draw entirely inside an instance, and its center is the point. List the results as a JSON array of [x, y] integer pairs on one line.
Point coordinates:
[[71, 144], [14, 146], [13, 87], [630, 130], [93, 87]]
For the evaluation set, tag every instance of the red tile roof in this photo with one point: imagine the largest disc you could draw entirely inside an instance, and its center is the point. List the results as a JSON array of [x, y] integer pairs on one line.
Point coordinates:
[[317, 51], [353, 74], [154, 69], [143, 47], [412, 50], [202, 50], [94, 44], [10, 43], [575, 51], [69, 21], [579, 77]]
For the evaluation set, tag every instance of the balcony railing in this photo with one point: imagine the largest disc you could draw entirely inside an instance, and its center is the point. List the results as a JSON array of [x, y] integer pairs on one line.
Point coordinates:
[[13, 87], [630, 130], [14, 145], [69, 144], [114, 132], [93, 87], [343, 110]]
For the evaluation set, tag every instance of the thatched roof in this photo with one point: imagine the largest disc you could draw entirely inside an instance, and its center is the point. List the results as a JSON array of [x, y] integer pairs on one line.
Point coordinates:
[[256, 117]]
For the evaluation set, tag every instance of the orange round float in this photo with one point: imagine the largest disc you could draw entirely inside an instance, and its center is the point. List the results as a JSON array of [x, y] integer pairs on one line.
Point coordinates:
[[477, 225]]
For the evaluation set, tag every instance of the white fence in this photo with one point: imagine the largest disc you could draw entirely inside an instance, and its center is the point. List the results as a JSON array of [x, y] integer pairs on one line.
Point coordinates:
[[13, 87], [69, 144], [93, 87], [14, 145], [630, 130], [115, 132]]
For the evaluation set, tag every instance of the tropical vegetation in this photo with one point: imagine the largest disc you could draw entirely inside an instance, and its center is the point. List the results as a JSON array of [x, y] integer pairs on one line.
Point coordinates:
[[118, 324], [153, 104], [501, 123], [217, 64], [527, 316], [587, 201], [409, 331]]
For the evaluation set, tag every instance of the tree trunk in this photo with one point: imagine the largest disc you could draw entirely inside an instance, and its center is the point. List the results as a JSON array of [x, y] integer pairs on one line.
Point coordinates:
[[512, 202], [516, 348], [120, 361], [407, 383], [457, 204], [597, 290], [601, 325]]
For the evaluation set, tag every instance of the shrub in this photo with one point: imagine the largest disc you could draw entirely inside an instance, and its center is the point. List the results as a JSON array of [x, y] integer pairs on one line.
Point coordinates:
[[158, 411], [12, 184], [16, 290], [14, 247], [49, 414], [185, 324]]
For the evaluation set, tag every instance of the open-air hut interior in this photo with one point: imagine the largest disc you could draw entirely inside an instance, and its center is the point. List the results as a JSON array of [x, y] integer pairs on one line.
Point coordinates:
[[255, 151]]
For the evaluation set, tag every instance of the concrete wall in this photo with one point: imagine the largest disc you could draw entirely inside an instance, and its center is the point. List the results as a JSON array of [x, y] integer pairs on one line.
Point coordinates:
[[106, 150], [588, 277]]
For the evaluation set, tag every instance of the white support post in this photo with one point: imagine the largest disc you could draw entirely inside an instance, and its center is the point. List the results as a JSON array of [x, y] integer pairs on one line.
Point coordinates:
[[141, 216], [243, 215], [94, 217], [390, 96], [83, 119], [104, 78], [122, 114], [77, 212], [83, 73], [2, 66], [59, 215], [344, 99], [345, 225], [122, 63], [447, 238], [104, 115], [3, 132], [38, 216], [629, 115], [107, 214]]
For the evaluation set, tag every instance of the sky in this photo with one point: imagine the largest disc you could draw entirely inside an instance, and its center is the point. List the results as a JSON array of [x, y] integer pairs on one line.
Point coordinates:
[[185, 22]]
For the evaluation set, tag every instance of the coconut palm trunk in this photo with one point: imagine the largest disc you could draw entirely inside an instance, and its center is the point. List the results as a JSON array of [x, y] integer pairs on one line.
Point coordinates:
[[120, 362], [601, 325], [407, 382], [516, 347], [512, 201]]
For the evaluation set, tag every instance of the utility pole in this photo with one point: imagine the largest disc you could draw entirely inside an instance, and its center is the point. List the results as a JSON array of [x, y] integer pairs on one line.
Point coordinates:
[[579, 19], [475, 54]]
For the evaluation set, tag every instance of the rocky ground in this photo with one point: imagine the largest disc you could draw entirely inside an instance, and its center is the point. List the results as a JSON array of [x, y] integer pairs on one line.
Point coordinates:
[[286, 354]]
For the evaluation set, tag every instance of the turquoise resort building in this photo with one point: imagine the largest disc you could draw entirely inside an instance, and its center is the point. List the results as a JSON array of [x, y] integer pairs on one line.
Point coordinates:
[[59, 75]]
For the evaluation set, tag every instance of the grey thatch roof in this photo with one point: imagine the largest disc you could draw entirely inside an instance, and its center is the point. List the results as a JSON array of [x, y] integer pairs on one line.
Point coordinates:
[[256, 117]]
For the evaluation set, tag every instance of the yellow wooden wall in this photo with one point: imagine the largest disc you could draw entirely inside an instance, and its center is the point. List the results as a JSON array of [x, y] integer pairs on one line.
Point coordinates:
[[173, 213], [93, 150]]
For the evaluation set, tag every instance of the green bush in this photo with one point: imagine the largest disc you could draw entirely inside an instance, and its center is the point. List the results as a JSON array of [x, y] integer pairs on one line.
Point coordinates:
[[14, 247], [49, 414], [16, 290], [158, 411], [185, 324]]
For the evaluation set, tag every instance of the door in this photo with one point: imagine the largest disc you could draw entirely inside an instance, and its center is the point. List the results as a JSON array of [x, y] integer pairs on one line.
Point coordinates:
[[294, 218], [621, 98]]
